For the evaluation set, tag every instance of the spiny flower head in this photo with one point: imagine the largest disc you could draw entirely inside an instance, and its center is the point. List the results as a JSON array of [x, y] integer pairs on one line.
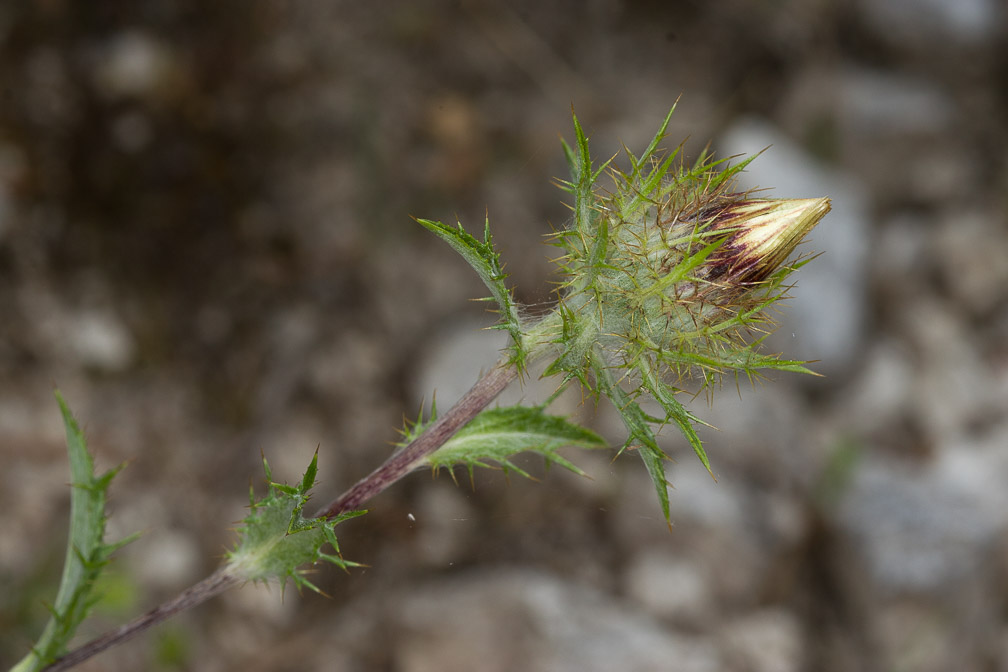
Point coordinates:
[[676, 274], [668, 275]]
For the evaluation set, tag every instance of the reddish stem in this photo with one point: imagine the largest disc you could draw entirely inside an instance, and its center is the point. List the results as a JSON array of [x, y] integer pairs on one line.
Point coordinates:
[[398, 465], [401, 463], [211, 586]]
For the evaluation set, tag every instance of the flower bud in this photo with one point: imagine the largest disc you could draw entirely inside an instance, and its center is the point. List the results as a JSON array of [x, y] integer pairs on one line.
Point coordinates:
[[762, 233]]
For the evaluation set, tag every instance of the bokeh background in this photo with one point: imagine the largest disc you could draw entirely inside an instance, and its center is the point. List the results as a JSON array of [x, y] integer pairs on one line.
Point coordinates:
[[206, 244]]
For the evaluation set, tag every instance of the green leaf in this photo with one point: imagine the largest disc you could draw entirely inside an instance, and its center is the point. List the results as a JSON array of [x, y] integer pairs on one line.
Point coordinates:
[[275, 540], [496, 435], [674, 411], [639, 430], [486, 262], [86, 553]]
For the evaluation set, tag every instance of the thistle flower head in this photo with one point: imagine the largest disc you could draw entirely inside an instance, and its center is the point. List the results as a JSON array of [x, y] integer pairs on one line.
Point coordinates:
[[668, 275], [678, 280]]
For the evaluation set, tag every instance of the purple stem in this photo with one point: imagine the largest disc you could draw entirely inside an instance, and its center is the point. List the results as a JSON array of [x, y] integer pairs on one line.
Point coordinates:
[[398, 465], [401, 463], [213, 585]]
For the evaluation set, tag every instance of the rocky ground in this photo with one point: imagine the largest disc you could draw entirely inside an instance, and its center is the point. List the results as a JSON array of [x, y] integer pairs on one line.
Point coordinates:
[[205, 242]]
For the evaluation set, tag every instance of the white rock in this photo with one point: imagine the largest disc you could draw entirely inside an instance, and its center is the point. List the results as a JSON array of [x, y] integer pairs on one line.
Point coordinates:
[[871, 102], [132, 64], [444, 522], [453, 357], [881, 394], [167, 559], [695, 498]]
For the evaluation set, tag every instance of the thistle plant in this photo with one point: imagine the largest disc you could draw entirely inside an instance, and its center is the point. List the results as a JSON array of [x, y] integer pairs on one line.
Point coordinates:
[[668, 278]]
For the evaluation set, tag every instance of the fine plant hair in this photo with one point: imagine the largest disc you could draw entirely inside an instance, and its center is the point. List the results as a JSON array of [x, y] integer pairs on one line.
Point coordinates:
[[668, 278]]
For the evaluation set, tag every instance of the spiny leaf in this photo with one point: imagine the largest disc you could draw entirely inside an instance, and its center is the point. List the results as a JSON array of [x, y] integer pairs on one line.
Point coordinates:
[[86, 553], [496, 435], [276, 540], [583, 178], [639, 431], [486, 262], [412, 429], [748, 361], [674, 410], [645, 187], [652, 148]]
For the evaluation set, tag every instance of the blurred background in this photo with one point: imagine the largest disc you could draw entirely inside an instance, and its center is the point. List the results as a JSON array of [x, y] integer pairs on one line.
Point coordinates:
[[206, 244]]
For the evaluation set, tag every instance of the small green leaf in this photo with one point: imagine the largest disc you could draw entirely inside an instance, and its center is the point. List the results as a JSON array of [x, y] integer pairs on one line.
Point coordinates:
[[674, 411], [496, 435], [639, 429], [276, 540], [648, 185], [86, 555], [486, 262]]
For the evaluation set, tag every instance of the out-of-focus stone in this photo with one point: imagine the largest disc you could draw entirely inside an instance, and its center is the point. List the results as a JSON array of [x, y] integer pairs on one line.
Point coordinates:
[[133, 63], [669, 587], [769, 640], [522, 620], [913, 22], [926, 529], [445, 523], [99, 339], [824, 319], [453, 359]]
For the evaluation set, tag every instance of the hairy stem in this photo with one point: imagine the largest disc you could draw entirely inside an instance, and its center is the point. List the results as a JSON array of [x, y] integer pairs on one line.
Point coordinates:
[[211, 586], [406, 460], [398, 465]]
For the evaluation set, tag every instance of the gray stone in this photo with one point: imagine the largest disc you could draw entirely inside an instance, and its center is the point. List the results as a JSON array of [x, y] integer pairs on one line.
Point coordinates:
[[915, 21], [769, 640], [873, 102], [925, 529], [824, 319], [524, 620], [669, 586], [453, 358]]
